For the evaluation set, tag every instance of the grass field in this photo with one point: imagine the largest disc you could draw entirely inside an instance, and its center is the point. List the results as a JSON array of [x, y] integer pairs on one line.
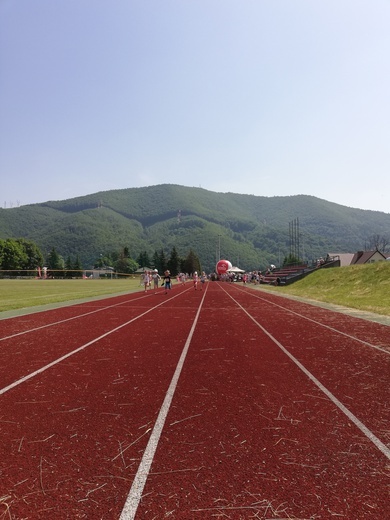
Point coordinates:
[[19, 294], [363, 287]]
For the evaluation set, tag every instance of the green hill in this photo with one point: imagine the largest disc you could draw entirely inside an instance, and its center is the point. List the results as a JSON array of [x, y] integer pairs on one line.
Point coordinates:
[[252, 231]]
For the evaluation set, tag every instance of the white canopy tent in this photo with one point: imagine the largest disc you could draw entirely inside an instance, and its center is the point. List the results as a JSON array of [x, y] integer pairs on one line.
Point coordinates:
[[235, 270]]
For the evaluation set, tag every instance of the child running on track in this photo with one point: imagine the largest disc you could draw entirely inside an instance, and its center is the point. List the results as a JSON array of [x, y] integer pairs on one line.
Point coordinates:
[[202, 280], [195, 279], [167, 281], [147, 280], [156, 278]]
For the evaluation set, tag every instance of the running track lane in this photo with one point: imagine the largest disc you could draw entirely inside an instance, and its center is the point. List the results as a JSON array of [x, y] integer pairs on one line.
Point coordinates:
[[362, 368], [66, 429], [248, 434], [286, 451], [80, 325]]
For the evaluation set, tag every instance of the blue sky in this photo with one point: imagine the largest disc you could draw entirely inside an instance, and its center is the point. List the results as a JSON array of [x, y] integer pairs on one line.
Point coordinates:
[[246, 96]]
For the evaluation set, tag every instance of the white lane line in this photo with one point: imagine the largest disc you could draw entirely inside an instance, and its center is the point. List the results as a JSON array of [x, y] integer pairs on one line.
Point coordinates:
[[62, 358], [368, 433], [135, 494], [70, 319], [317, 322]]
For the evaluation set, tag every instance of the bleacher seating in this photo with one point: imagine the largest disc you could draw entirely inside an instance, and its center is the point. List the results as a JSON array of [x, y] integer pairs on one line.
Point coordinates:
[[290, 274], [285, 275]]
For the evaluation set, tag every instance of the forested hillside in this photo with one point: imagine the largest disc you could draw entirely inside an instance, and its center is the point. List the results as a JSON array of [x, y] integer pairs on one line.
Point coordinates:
[[248, 230]]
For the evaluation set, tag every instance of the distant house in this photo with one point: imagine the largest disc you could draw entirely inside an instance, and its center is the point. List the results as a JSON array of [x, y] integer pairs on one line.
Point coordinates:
[[360, 257], [367, 257]]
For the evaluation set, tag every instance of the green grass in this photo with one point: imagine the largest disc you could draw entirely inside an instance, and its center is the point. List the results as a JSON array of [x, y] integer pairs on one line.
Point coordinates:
[[19, 294], [363, 287]]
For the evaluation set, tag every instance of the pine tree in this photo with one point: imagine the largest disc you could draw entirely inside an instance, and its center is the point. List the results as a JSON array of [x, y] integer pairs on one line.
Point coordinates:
[[156, 262], [192, 263], [163, 261], [68, 268], [55, 262], [78, 268], [143, 259], [174, 263]]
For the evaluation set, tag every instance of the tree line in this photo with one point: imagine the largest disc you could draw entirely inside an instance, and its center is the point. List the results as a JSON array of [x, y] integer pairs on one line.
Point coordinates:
[[174, 263], [20, 257], [123, 263]]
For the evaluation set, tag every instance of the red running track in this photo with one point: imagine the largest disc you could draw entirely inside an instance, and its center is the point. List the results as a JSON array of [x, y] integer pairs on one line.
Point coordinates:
[[224, 403]]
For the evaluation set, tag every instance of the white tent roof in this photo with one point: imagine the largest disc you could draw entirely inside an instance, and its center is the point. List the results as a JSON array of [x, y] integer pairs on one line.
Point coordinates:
[[235, 269], [143, 269]]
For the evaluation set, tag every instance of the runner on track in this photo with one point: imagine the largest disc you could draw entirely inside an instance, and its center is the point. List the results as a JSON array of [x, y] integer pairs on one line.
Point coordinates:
[[167, 281], [195, 279], [147, 280], [156, 279]]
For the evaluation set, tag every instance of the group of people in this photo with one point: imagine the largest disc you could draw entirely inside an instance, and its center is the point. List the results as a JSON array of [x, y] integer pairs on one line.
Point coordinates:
[[199, 279], [253, 277], [149, 278]]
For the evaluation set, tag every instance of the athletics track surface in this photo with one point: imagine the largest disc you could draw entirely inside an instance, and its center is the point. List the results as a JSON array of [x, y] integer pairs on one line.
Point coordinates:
[[225, 403]]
